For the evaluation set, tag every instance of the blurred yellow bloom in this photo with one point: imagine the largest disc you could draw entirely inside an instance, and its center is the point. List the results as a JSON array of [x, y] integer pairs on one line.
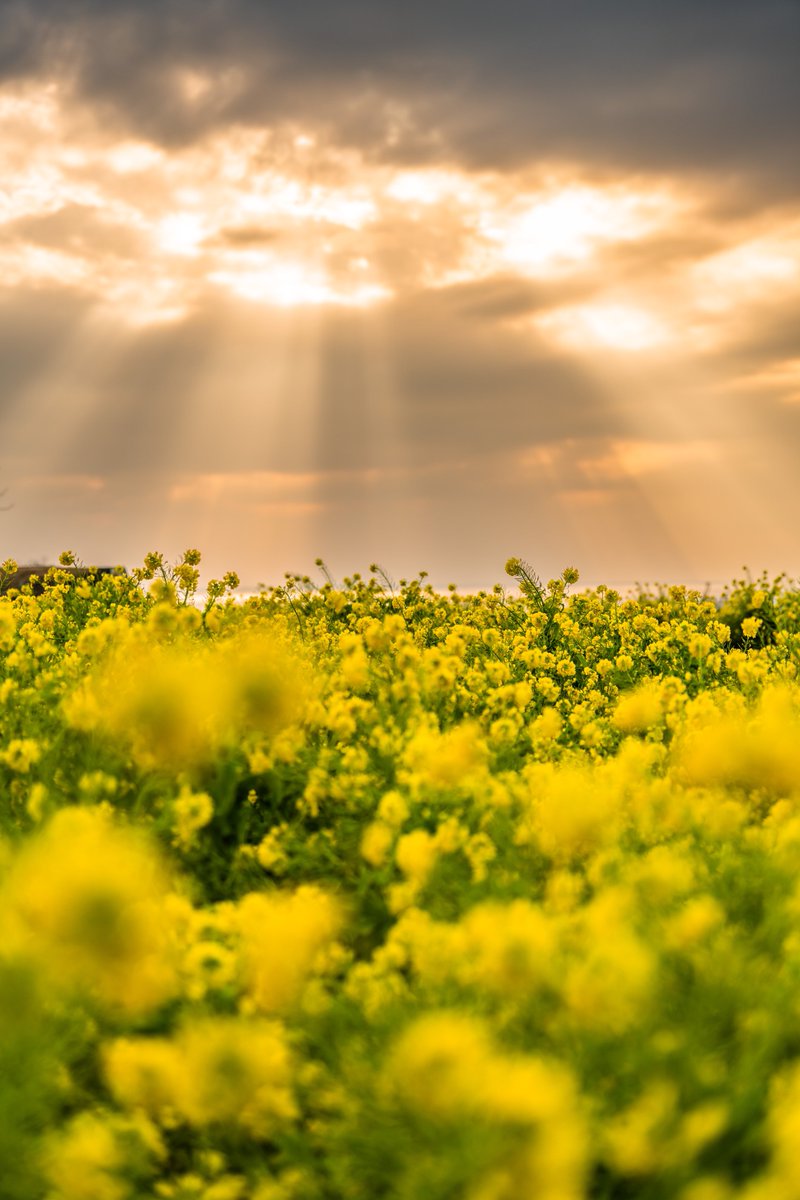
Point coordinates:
[[192, 811], [177, 705], [85, 898], [20, 754], [445, 760], [217, 1069], [283, 935]]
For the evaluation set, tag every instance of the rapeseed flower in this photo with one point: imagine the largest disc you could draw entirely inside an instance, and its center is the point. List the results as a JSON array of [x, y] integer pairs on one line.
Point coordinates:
[[216, 1070], [284, 936], [84, 899], [492, 894], [177, 705]]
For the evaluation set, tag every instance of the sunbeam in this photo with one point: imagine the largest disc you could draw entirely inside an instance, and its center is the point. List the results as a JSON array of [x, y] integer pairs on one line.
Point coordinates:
[[342, 322]]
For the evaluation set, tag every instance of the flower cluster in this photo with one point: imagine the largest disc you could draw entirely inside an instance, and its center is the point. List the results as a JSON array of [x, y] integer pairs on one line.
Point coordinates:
[[357, 890]]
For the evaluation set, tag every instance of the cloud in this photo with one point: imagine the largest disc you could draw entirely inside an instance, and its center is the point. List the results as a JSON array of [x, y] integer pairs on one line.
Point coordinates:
[[417, 276], [245, 235], [706, 88], [77, 229]]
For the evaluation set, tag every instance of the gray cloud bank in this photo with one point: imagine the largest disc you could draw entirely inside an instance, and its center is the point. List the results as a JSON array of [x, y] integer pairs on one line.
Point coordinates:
[[625, 85]]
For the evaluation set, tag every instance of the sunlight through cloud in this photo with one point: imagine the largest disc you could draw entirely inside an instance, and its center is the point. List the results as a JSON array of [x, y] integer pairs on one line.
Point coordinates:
[[181, 233], [431, 187], [288, 285], [131, 157], [567, 226], [749, 271], [614, 326]]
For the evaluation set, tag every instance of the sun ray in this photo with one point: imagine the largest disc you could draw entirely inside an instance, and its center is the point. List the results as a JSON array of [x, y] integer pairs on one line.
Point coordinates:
[[239, 300]]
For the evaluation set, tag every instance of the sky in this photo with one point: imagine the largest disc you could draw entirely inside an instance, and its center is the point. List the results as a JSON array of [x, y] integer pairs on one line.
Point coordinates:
[[421, 284]]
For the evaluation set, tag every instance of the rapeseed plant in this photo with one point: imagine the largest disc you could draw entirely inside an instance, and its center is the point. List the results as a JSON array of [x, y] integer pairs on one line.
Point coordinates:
[[357, 889]]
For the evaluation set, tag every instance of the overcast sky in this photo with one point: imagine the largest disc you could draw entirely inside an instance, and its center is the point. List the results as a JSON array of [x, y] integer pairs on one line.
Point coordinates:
[[423, 283]]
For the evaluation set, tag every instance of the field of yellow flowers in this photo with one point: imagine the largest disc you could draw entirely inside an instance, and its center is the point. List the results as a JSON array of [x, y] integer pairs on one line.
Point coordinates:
[[365, 891]]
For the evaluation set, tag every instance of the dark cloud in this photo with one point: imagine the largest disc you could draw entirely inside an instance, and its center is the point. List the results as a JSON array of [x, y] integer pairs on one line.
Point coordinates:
[[75, 229], [709, 87], [244, 236], [23, 38]]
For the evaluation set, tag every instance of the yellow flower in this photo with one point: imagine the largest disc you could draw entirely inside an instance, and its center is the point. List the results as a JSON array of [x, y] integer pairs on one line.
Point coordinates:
[[547, 726], [217, 1070], [20, 754], [283, 934], [269, 852], [415, 855], [446, 1066], [85, 1162], [85, 898], [192, 810], [235, 1071], [375, 842], [92, 1157], [751, 626], [143, 1073], [8, 624], [208, 966], [699, 645], [640, 709], [446, 760], [176, 705], [509, 949], [435, 1063], [635, 1139], [37, 799], [393, 809]]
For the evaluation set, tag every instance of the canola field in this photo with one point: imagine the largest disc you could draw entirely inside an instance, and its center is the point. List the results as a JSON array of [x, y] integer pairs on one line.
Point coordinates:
[[365, 891]]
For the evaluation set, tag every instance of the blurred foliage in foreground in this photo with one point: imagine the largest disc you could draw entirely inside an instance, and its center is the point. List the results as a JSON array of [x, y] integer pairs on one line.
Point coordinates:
[[365, 891]]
